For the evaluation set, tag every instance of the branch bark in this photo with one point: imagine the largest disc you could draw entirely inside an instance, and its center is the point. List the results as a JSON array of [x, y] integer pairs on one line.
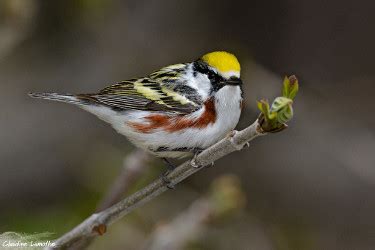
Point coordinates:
[[97, 223]]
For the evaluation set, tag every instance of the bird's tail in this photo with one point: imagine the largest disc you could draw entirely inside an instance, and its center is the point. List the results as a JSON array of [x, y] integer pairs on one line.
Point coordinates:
[[68, 98]]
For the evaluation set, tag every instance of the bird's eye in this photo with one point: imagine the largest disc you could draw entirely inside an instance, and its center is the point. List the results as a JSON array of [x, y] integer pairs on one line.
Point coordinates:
[[212, 75]]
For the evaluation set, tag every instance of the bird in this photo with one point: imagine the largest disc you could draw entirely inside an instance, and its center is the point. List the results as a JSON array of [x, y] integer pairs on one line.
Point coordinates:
[[174, 112]]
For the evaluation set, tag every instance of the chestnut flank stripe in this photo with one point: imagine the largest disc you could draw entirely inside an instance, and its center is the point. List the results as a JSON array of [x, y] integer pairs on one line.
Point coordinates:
[[177, 123]]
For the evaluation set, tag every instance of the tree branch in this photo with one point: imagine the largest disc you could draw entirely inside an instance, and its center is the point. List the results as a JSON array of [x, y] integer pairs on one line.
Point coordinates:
[[97, 223]]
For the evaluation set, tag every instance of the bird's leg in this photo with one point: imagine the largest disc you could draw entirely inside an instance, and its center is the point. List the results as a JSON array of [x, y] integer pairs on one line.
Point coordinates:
[[170, 166], [193, 161], [164, 176]]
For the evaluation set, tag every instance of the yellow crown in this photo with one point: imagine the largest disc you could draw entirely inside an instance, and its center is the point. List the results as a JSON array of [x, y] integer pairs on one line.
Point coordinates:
[[222, 61]]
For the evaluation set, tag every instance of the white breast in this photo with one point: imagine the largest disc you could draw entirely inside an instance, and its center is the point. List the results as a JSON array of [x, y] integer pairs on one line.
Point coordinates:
[[228, 110]]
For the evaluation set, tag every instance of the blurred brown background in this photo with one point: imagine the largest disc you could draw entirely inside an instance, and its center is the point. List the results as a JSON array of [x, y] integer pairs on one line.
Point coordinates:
[[310, 187]]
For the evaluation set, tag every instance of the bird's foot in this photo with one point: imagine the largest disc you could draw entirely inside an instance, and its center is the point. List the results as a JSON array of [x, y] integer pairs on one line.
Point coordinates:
[[167, 181], [164, 176], [193, 161], [170, 165], [234, 144], [211, 165]]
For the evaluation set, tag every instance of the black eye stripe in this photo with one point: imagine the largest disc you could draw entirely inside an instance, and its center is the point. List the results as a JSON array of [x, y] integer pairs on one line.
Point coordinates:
[[217, 81], [202, 67]]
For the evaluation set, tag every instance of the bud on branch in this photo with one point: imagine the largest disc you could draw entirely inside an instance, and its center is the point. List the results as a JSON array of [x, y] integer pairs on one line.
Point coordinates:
[[273, 119]]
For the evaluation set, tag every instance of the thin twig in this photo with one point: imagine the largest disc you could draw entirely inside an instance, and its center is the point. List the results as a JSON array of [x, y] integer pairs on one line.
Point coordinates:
[[186, 227], [97, 223]]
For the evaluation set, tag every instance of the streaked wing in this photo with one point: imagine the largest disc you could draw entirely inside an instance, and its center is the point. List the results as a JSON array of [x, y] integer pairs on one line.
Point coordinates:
[[173, 78], [170, 74], [145, 94]]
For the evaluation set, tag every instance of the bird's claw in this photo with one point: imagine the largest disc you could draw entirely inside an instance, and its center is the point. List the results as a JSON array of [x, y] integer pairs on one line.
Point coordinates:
[[167, 181], [234, 144], [193, 161], [164, 177], [211, 164]]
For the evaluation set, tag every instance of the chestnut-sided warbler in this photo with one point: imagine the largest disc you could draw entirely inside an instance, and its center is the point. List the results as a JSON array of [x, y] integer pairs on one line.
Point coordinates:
[[174, 112]]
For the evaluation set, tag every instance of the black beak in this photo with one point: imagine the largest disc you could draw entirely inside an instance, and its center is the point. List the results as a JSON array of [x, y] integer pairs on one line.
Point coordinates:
[[233, 81]]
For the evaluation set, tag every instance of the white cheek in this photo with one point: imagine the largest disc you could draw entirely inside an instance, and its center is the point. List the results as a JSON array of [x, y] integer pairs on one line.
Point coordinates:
[[203, 85], [199, 82]]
